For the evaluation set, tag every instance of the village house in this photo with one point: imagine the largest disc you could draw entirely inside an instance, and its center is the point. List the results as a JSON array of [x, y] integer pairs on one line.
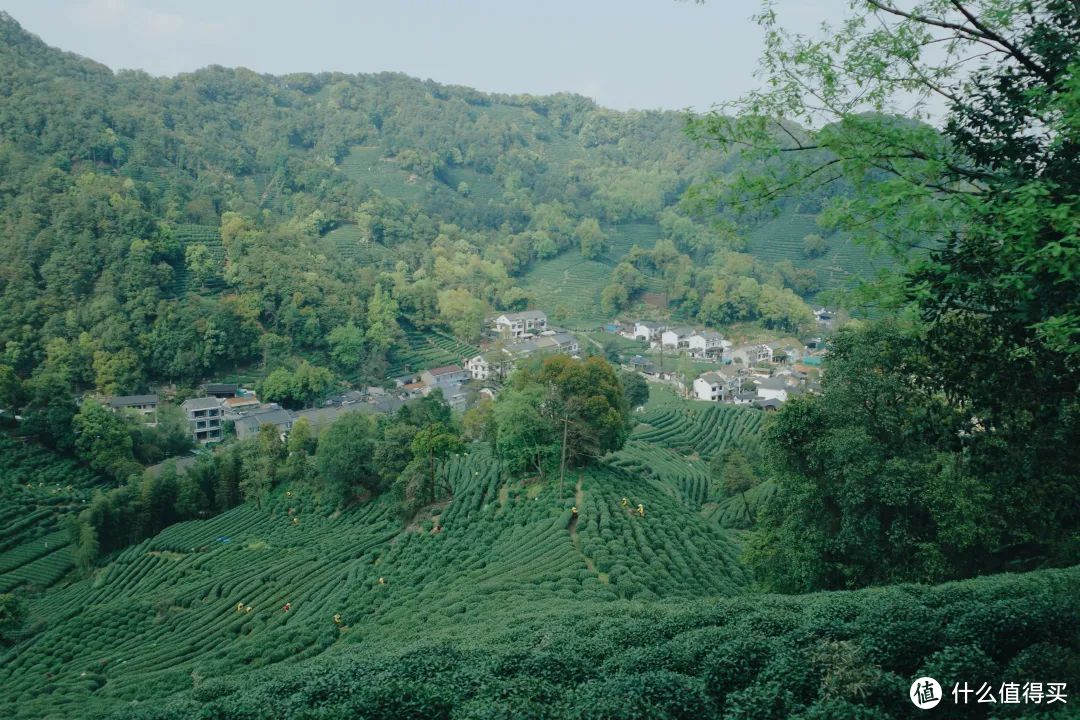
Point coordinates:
[[495, 365], [549, 342], [647, 331], [774, 388], [413, 390], [785, 352], [709, 386], [145, 405], [204, 416], [517, 325], [677, 337], [718, 385], [445, 378], [707, 343], [752, 354], [221, 390], [248, 426], [744, 398]]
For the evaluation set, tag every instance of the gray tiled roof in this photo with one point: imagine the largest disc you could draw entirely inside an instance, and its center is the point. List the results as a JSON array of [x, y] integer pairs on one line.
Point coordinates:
[[129, 400]]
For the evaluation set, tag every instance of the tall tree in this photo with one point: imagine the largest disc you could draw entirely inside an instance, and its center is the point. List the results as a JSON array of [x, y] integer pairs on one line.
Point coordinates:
[[344, 456], [984, 215], [431, 444]]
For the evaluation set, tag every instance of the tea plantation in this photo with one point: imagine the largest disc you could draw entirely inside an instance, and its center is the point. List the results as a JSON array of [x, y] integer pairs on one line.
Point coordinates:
[[500, 603]]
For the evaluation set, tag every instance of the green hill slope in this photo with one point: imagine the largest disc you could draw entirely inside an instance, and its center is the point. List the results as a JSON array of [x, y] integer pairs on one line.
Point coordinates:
[[165, 611]]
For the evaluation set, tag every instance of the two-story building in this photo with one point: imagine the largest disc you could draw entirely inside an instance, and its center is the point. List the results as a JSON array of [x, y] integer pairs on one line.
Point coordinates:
[[718, 385], [707, 343], [510, 326], [204, 416], [647, 331], [676, 338], [752, 354], [494, 365], [709, 386], [445, 378]]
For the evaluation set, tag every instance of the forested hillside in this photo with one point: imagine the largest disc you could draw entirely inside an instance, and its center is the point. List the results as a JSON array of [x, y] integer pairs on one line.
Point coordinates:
[[166, 229], [591, 534]]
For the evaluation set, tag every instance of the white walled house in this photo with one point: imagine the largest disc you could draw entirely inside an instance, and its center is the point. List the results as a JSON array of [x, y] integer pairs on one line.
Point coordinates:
[[718, 385], [707, 343], [520, 324], [647, 331], [709, 386], [495, 365], [774, 388], [479, 368], [676, 337], [753, 354], [446, 377]]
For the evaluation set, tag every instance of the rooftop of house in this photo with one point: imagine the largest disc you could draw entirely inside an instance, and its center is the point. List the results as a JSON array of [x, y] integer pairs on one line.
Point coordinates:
[[122, 401], [649, 324], [235, 402], [413, 387], [711, 335], [201, 403], [773, 383], [712, 378], [682, 331], [270, 417], [525, 315], [221, 387], [444, 370]]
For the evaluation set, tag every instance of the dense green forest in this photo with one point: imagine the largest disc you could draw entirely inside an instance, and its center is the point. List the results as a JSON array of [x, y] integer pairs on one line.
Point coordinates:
[[583, 543], [168, 229]]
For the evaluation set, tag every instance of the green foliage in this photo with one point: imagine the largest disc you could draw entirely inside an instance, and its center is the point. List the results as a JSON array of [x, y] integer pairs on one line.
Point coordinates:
[[12, 616], [576, 407], [301, 387], [635, 388], [103, 441], [937, 452], [344, 457]]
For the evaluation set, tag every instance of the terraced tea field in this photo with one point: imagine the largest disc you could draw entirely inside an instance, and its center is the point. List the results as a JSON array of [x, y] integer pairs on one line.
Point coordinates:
[[424, 350], [38, 492], [781, 238], [161, 617], [367, 166], [184, 281], [347, 240], [572, 283]]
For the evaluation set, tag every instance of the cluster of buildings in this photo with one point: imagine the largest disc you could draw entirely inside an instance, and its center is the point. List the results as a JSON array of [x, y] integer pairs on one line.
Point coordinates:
[[740, 386], [763, 375], [227, 402], [696, 343], [518, 336]]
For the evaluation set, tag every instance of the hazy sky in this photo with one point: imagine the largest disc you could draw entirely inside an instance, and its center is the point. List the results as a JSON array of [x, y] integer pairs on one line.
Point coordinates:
[[623, 53]]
